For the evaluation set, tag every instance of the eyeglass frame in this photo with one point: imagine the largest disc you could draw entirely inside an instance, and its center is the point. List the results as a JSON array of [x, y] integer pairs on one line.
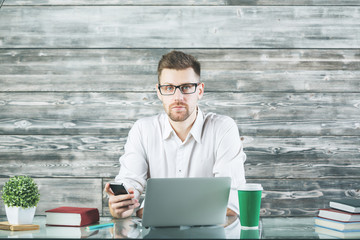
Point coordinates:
[[178, 87]]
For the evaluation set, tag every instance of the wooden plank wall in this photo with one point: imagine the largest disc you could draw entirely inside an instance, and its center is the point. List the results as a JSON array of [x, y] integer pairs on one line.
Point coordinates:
[[75, 75]]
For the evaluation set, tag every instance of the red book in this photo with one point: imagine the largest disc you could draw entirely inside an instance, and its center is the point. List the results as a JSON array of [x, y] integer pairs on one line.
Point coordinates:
[[339, 215], [72, 216]]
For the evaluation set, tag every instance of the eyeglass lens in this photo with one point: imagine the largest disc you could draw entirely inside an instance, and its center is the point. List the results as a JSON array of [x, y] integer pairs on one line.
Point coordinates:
[[184, 88]]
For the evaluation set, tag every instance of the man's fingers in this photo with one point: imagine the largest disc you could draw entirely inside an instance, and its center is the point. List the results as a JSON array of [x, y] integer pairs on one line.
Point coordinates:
[[122, 198], [121, 212], [131, 190], [134, 205], [128, 204], [124, 203], [108, 190]]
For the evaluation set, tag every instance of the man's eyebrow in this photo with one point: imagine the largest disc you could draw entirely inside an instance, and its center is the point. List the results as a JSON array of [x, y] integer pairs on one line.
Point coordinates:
[[166, 83]]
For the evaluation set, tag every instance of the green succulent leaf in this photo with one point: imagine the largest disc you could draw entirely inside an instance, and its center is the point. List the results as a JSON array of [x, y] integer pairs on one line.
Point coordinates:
[[20, 191]]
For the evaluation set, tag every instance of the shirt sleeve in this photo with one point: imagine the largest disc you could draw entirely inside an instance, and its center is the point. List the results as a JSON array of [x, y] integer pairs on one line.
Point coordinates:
[[133, 163], [230, 159]]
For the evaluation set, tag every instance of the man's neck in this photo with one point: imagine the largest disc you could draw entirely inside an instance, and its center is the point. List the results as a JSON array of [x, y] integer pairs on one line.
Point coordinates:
[[183, 128]]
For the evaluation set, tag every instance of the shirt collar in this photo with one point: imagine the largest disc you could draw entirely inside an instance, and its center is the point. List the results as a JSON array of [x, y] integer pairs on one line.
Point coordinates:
[[196, 129], [167, 127]]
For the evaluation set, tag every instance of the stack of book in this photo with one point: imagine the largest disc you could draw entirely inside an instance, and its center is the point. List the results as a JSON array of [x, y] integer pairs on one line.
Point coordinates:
[[341, 220]]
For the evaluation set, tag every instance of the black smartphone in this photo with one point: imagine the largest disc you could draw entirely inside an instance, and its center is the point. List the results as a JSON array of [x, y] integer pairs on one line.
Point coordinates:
[[118, 188]]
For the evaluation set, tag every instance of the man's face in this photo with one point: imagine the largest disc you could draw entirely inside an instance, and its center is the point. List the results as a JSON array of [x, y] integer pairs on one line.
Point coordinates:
[[180, 106]]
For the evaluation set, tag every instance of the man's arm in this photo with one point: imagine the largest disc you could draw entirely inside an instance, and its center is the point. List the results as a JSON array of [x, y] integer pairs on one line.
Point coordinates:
[[133, 173], [230, 160]]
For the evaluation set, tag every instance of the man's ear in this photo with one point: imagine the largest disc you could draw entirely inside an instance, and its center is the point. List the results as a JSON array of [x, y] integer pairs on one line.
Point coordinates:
[[201, 90], [158, 92]]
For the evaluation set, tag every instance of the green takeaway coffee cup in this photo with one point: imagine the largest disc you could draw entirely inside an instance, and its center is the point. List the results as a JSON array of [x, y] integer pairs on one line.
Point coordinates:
[[249, 205], [249, 234]]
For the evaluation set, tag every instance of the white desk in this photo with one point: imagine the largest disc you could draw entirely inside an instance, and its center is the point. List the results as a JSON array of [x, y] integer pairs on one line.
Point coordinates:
[[290, 227]]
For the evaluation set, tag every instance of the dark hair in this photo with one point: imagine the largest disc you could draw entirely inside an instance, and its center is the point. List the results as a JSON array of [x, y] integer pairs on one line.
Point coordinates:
[[179, 61]]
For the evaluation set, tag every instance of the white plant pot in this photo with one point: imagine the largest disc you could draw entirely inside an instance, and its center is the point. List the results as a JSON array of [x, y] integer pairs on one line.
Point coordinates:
[[19, 215]]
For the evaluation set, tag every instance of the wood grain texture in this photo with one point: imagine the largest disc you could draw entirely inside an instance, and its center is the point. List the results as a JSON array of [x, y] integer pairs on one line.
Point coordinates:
[[61, 156], [97, 156], [180, 27], [57, 192], [128, 105], [75, 75], [235, 70], [281, 158], [258, 113], [180, 2], [301, 197], [35, 126]]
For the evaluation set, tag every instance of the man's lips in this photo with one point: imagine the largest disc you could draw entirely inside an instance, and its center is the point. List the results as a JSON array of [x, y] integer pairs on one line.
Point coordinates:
[[178, 107]]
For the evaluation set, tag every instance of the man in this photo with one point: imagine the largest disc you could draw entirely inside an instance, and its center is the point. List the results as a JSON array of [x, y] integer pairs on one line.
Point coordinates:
[[184, 142]]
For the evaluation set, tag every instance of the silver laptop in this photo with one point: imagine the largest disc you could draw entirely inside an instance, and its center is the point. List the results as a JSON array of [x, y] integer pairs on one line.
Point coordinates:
[[173, 202]]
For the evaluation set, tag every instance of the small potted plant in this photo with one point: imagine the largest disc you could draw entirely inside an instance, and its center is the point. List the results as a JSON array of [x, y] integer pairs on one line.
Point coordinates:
[[20, 195]]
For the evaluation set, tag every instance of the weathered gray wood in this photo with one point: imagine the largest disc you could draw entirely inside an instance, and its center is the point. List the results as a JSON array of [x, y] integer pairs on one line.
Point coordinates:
[[127, 105], [35, 126], [215, 80], [267, 113], [180, 27], [303, 197], [300, 127], [180, 2], [278, 71], [97, 156], [296, 70], [60, 127], [57, 192], [64, 156]]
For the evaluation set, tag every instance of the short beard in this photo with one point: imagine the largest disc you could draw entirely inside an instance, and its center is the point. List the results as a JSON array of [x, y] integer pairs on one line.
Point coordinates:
[[179, 118]]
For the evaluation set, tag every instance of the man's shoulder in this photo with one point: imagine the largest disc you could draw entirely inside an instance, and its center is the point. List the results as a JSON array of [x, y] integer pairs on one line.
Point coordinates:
[[217, 119], [150, 121], [217, 126]]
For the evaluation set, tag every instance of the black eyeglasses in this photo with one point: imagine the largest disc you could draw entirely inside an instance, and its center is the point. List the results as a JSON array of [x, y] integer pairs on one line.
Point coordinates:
[[187, 88]]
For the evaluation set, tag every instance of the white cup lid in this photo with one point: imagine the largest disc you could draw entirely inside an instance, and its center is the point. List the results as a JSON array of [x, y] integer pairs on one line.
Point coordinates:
[[250, 187]]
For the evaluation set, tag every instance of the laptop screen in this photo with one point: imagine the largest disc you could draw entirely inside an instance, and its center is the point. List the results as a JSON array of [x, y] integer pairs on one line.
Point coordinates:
[[186, 201]]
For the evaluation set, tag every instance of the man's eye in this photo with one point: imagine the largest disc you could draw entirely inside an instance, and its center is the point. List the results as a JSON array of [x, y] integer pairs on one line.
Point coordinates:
[[169, 88], [186, 87]]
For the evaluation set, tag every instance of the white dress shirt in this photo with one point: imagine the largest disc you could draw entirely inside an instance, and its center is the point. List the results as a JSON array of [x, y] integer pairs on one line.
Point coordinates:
[[212, 149]]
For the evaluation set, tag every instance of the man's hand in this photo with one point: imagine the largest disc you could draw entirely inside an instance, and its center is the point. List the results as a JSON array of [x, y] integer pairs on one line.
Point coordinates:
[[139, 213], [121, 206], [230, 212]]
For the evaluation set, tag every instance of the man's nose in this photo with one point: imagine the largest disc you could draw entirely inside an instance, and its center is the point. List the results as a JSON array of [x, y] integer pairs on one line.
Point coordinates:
[[178, 94]]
